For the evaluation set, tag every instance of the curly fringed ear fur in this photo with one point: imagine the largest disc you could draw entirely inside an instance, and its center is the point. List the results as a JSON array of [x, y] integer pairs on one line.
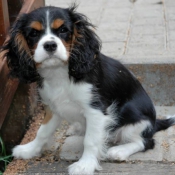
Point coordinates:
[[85, 46], [18, 54]]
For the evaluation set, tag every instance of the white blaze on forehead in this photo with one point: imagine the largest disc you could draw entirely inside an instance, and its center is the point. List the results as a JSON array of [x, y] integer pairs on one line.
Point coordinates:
[[47, 22]]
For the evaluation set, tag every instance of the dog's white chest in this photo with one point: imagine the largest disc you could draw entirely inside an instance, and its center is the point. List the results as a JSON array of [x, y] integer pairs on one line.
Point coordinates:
[[64, 96]]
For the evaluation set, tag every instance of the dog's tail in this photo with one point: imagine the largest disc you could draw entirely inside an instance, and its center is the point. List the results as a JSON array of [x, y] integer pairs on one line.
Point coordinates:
[[162, 124]]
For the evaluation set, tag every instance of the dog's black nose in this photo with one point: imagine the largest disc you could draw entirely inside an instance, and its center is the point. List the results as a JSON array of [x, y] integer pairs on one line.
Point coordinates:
[[50, 46]]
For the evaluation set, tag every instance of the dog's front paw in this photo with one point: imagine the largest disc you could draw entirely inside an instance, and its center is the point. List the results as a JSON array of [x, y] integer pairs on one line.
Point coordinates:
[[85, 166], [26, 151]]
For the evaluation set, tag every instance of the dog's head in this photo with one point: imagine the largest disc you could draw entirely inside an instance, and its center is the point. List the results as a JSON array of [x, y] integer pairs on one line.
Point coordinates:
[[49, 37]]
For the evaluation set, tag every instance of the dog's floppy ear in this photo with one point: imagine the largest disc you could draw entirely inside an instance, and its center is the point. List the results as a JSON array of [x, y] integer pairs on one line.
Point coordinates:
[[18, 54], [85, 45]]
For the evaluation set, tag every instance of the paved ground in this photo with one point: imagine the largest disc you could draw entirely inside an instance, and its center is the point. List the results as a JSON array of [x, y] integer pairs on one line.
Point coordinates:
[[159, 161], [140, 32], [144, 28]]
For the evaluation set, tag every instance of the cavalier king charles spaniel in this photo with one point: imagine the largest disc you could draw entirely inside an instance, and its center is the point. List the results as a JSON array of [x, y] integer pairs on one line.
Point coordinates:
[[58, 49]]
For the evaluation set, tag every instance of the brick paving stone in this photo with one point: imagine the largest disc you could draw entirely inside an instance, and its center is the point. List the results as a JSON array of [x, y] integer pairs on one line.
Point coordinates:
[[146, 27], [113, 49]]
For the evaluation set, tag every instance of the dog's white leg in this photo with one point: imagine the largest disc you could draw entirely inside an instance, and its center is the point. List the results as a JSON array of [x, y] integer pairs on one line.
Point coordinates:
[[94, 143], [122, 152], [34, 147]]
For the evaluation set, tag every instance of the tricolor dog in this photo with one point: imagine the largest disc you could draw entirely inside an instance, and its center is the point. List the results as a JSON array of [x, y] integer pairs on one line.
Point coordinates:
[[58, 49]]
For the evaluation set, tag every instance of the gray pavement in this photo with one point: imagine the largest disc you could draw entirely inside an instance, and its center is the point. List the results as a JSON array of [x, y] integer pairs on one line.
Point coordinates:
[[141, 29], [142, 35]]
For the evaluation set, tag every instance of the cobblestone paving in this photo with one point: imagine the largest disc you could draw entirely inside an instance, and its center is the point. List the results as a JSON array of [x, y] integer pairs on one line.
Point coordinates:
[[144, 28]]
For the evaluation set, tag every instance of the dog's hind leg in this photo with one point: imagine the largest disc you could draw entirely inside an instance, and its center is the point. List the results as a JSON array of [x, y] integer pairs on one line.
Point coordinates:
[[122, 152], [134, 138]]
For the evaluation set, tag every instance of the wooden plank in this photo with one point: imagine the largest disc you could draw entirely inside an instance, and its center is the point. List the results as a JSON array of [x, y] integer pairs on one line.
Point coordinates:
[[14, 7], [7, 90], [8, 86], [4, 20], [31, 5]]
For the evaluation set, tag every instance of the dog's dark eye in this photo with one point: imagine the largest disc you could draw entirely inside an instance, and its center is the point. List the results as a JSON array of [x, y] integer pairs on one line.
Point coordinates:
[[63, 30], [34, 33]]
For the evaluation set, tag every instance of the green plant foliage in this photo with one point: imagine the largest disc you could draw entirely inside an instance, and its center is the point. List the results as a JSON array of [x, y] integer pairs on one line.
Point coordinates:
[[4, 158]]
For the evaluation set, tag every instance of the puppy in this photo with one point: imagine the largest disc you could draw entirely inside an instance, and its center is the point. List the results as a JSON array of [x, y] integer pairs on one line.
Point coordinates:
[[58, 49]]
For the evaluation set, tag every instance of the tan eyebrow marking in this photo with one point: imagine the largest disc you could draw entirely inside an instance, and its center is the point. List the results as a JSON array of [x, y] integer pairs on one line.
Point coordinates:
[[36, 25], [57, 23]]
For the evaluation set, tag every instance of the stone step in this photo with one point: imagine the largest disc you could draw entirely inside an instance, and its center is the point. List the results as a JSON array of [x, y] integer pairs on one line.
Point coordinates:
[[158, 80], [130, 168], [156, 162]]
